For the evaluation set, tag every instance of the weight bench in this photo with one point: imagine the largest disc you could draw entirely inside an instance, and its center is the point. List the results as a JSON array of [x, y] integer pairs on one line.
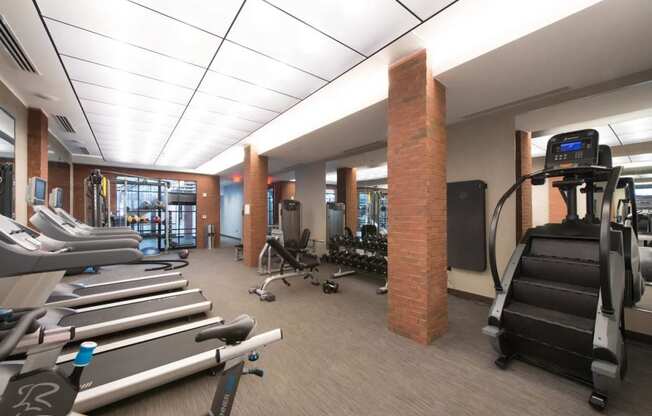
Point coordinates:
[[300, 268]]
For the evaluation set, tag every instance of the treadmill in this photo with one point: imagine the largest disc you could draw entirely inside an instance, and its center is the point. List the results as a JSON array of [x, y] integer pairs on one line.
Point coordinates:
[[81, 294], [22, 252], [119, 369], [54, 226]]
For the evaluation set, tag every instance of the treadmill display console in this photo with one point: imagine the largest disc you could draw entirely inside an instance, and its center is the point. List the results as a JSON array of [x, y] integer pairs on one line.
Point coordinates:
[[567, 150]]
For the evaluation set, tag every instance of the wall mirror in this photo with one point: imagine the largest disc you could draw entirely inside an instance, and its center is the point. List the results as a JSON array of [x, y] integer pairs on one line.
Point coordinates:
[[7, 145]]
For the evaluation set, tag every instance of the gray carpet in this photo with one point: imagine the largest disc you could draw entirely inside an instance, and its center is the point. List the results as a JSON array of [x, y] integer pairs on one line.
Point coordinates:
[[338, 358]]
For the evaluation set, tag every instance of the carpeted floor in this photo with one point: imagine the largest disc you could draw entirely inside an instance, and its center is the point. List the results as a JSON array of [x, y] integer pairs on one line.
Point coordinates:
[[338, 358]]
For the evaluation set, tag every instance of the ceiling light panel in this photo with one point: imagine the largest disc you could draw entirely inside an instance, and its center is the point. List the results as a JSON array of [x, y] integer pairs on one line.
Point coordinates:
[[220, 121], [248, 65], [123, 81], [115, 123], [85, 45], [364, 25], [643, 157], [606, 136], [222, 106], [272, 32], [633, 126], [192, 128], [636, 137], [426, 8], [120, 114], [246, 93], [128, 22], [209, 15], [620, 160], [111, 96]]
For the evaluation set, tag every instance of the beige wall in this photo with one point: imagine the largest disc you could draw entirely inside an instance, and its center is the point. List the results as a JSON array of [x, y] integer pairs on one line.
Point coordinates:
[[310, 187], [11, 104], [483, 149], [540, 211]]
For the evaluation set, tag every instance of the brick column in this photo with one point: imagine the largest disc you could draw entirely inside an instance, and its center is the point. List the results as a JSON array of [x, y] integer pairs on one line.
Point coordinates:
[[254, 227], [347, 193], [37, 146], [416, 159], [523, 166]]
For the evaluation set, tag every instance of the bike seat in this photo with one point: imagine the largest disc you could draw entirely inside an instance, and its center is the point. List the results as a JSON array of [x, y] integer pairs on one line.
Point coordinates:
[[230, 333]]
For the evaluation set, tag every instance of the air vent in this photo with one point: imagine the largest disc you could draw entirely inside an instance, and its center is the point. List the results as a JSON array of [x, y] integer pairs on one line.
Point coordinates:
[[13, 48], [65, 124], [83, 151]]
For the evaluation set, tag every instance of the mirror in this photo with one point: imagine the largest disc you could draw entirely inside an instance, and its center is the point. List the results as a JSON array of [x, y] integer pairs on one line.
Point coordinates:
[[7, 144]]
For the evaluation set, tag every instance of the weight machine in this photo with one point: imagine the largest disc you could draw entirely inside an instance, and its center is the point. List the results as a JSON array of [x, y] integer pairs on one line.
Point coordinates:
[[288, 229]]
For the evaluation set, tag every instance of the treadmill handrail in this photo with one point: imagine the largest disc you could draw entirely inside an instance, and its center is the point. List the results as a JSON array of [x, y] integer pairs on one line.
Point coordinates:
[[605, 241], [24, 324]]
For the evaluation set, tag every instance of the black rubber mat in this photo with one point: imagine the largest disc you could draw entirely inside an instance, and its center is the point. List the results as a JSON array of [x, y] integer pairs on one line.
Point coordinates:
[[124, 285], [132, 309], [123, 362]]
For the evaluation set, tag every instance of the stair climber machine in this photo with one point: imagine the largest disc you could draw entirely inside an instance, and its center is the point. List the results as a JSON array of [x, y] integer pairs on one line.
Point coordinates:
[[559, 303]]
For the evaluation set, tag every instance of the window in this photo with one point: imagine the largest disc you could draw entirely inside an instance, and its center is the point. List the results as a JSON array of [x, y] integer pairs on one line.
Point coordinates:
[[330, 195], [270, 206]]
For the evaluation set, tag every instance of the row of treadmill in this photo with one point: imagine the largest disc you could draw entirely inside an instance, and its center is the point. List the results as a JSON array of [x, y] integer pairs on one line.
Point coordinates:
[[561, 298], [40, 315]]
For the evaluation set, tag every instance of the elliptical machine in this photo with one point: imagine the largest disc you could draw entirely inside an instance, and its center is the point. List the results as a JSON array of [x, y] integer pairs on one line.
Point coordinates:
[[559, 303]]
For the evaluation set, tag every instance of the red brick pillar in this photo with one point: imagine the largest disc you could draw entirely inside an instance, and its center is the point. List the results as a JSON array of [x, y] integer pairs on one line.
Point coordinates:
[[347, 193], [523, 165], [37, 146], [416, 160], [254, 228]]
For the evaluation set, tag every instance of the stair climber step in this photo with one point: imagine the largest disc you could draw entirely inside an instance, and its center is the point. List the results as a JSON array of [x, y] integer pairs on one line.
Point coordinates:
[[563, 297], [558, 329], [560, 361], [562, 270], [587, 250]]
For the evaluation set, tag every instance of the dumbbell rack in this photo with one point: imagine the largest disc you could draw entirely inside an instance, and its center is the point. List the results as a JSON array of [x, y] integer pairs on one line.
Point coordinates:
[[369, 255]]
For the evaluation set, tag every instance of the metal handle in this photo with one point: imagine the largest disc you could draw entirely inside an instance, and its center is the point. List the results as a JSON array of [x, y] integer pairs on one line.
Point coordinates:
[[605, 242]]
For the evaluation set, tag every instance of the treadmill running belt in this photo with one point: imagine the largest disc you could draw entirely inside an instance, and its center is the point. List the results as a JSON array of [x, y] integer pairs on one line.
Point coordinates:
[[123, 362], [93, 290], [131, 309]]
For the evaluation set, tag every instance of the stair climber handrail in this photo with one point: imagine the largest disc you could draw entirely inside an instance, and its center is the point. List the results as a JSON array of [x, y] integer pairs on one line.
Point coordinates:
[[605, 241], [498, 286]]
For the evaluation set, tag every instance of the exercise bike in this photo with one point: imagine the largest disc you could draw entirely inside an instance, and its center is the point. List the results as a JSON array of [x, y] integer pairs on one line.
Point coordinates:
[[34, 386], [237, 348]]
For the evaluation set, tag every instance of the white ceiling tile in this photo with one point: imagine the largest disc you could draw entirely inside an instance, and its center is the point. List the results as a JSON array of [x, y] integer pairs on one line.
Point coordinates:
[[633, 126], [636, 137], [123, 81], [222, 122], [128, 22], [619, 160], [112, 122], [210, 15], [246, 93], [192, 128], [94, 48], [242, 63], [122, 114], [107, 95], [426, 8], [221, 106], [364, 25], [643, 157], [268, 30]]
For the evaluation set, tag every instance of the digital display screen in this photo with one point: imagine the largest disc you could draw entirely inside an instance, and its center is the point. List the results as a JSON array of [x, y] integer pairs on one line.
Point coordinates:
[[570, 146], [39, 190]]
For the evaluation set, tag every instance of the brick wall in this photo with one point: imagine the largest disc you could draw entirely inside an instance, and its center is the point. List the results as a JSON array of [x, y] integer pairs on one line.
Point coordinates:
[[416, 155], [37, 146], [208, 206], [254, 227], [59, 177], [523, 165], [347, 193]]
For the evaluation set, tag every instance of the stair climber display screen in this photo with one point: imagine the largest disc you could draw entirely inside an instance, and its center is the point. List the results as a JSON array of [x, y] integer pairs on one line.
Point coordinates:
[[573, 149], [559, 301]]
